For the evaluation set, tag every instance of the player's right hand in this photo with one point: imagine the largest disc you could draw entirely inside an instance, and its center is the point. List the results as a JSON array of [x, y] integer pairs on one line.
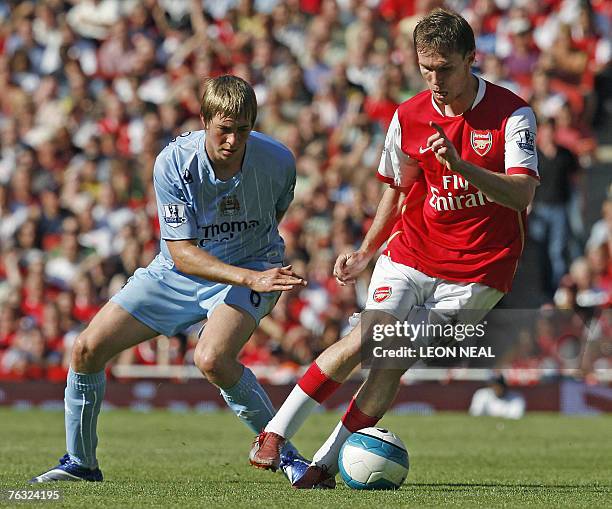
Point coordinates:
[[274, 280], [349, 265]]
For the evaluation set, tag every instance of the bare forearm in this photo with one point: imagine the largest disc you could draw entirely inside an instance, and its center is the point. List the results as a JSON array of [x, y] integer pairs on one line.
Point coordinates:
[[197, 262], [513, 191], [387, 214]]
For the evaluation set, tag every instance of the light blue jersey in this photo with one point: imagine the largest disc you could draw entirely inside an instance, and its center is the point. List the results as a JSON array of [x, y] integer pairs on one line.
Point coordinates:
[[233, 220]]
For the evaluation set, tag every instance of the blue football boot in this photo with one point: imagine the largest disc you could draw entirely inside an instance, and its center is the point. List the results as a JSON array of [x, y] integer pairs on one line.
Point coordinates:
[[68, 470], [315, 477], [293, 465], [300, 472]]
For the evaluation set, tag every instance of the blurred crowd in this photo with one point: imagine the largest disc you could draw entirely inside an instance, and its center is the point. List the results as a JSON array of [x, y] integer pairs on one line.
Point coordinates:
[[92, 90]]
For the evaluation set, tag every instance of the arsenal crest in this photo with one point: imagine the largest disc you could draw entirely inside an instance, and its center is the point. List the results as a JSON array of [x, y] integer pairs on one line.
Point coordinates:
[[229, 206], [382, 293], [481, 141]]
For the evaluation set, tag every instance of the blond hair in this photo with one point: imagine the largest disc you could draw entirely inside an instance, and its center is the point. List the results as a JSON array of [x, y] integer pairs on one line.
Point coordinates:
[[228, 96]]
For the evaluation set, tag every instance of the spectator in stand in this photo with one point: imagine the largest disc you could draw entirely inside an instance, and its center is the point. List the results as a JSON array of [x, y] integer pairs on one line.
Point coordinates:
[[545, 101], [52, 329], [583, 279], [86, 302], [573, 134], [51, 217], [601, 265], [585, 37], [25, 358], [493, 70], [9, 322], [33, 295], [93, 19], [117, 55], [65, 260], [601, 232], [523, 58], [111, 209], [564, 59], [381, 105], [8, 150], [549, 223]]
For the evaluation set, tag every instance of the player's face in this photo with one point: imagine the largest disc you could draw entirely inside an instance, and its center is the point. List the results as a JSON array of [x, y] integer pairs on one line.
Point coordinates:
[[226, 139], [447, 76]]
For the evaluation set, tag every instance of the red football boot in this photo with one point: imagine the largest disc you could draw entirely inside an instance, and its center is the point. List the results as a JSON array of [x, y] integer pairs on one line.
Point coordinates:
[[266, 450]]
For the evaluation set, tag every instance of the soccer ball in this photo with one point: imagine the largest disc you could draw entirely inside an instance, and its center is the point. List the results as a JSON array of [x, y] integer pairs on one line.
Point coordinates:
[[373, 459]]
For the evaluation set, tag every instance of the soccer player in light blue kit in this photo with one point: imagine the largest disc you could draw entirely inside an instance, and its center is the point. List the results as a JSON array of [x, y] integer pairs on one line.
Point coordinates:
[[221, 193]]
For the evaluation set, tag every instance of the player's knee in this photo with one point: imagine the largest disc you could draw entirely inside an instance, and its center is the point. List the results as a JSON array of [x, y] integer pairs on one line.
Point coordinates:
[[210, 363], [88, 352]]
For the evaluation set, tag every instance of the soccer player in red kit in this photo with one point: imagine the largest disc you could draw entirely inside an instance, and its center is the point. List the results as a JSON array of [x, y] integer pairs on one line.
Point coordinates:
[[461, 165]]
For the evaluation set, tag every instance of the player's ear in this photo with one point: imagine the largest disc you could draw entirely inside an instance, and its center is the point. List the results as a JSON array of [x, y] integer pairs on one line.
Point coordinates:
[[471, 58]]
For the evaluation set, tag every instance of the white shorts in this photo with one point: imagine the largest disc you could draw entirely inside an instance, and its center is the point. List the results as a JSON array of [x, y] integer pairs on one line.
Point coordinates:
[[398, 290]]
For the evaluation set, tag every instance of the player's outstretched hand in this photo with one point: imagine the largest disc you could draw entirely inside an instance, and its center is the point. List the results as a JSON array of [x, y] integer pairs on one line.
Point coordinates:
[[443, 148], [277, 279], [349, 265]]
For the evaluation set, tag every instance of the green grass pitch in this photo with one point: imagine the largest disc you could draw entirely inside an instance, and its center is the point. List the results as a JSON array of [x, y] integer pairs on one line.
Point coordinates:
[[163, 459]]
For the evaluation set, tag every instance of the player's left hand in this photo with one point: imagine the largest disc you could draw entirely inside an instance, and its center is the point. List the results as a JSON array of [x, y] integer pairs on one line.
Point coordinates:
[[349, 265], [278, 279], [443, 148]]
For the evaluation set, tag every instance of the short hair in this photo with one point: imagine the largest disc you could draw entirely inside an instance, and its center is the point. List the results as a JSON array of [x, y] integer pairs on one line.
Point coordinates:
[[444, 32], [229, 96]]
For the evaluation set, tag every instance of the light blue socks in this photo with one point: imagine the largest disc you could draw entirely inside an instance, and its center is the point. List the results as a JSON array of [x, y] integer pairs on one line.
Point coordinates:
[[251, 403], [82, 401]]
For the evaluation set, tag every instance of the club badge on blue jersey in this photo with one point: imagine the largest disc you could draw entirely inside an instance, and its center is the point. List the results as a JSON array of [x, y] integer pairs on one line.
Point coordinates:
[[174, 214], [229, 206]]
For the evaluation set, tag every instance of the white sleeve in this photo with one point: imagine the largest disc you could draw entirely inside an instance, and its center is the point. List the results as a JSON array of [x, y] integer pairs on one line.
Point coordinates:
[[396, 168], [521, 157]]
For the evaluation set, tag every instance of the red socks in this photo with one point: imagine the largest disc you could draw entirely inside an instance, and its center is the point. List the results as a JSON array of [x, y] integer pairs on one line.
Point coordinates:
[[319, 387], [354, 419], [317, 384]]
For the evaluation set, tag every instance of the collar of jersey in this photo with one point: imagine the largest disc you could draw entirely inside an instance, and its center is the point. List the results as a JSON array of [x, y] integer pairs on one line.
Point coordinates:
[[482, 87], [206, 165]]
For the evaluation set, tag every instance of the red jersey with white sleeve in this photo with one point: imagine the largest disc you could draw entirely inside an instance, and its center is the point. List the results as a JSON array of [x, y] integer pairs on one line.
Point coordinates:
[[456, 233]]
